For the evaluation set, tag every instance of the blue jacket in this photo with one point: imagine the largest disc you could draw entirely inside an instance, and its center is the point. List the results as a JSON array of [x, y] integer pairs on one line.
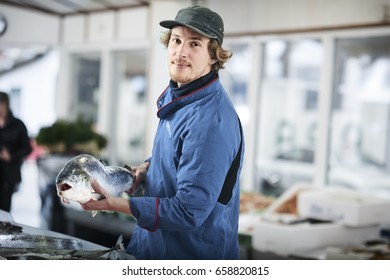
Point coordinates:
[[180, 216]]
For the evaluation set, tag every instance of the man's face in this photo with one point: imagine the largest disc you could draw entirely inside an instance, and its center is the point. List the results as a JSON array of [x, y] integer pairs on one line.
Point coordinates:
[[188, 55]]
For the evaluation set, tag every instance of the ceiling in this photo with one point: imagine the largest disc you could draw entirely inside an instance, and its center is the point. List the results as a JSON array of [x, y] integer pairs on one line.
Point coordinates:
[[15, 57], [69, 7]]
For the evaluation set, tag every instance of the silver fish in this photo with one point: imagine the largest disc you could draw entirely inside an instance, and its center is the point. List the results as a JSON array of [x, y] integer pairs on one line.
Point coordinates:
[[73, 182]]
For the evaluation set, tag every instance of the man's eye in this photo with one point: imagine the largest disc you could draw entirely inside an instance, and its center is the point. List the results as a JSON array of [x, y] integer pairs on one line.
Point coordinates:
[[175, 40]]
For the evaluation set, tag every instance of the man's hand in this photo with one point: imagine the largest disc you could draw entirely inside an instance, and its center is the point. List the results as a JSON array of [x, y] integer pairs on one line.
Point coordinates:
[[140, 175], [102, 204], [108, 203]]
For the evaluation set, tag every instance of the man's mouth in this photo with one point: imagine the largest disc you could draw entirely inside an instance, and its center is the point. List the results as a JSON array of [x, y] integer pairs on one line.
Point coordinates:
[[181, 65]]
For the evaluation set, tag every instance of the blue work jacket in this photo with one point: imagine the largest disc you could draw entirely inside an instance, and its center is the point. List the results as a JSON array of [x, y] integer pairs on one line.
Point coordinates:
[[182, 215]]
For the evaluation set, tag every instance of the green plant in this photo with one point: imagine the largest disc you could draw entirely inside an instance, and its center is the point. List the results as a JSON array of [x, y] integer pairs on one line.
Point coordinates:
[[70, 136]]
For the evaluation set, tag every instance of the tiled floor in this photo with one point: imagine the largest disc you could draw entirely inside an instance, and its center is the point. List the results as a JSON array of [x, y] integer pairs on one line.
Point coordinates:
[[26, 203]]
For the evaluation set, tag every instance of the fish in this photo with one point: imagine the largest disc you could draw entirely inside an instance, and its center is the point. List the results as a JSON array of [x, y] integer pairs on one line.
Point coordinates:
[[73, 182]]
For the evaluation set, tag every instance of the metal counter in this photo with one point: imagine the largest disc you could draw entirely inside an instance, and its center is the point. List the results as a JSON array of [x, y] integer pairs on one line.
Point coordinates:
[[21, 242]]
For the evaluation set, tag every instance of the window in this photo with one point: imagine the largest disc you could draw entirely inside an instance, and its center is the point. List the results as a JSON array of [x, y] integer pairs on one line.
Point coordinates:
[[360, 134], [287, 113], [86, 83], [235, 78], [129, 121]]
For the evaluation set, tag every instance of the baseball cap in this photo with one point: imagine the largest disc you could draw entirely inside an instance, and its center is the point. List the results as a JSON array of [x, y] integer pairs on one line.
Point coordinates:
[[199, 19]]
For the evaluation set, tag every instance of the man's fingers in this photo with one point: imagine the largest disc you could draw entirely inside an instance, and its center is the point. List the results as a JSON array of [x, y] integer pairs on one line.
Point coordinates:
[[99, 189], [95, 185]]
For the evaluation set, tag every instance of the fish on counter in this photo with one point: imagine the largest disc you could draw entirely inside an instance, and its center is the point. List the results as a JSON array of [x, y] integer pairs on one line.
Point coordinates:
[[21, 242], [73, 182]]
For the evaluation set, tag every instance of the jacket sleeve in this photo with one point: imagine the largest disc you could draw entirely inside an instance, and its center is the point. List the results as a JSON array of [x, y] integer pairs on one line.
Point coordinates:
[[207, 153]]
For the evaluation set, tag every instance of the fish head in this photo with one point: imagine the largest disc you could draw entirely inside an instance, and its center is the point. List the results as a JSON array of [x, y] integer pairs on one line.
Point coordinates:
[[73, 184]]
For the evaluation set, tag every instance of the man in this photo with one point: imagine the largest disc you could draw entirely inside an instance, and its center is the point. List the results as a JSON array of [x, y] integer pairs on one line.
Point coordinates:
[[191, 204], [14, 147]]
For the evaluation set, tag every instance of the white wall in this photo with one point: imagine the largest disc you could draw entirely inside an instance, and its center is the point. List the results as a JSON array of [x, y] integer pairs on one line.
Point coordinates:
[[133, 24], [74, 29], [270, 15], [29, 27], [37, 99], [107, 27]]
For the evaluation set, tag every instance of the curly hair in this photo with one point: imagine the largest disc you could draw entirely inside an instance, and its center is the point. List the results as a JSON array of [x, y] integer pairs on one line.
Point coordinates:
[[215, 50]]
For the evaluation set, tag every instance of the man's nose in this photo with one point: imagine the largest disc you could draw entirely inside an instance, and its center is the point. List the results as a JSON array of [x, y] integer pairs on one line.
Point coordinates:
[[181, 51]]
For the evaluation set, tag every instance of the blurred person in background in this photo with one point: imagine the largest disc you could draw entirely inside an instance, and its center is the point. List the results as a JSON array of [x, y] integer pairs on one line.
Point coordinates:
[[190, 208], [14, 147]]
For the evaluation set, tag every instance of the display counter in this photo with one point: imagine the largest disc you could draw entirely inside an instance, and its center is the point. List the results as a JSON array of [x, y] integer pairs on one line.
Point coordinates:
[[20, 242]]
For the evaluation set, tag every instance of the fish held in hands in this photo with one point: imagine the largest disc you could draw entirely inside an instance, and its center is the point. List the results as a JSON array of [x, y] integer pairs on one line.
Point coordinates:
[[73, 182]]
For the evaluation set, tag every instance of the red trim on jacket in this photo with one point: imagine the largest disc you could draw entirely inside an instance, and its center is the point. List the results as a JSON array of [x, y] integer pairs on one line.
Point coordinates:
[[158, 99], [181, 97]]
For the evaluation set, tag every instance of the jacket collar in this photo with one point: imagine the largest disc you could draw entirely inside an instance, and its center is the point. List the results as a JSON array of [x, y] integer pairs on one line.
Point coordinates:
[[178, 103], [192, 86]]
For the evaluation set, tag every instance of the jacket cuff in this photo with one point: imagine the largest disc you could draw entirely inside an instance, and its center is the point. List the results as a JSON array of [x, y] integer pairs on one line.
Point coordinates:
[[145, 210]]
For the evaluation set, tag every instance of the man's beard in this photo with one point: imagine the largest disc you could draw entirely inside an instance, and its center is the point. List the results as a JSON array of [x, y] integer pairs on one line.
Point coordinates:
[[179, 77]]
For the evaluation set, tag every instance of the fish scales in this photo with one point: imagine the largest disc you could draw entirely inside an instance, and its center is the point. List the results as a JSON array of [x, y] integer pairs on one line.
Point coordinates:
[[73, 182]]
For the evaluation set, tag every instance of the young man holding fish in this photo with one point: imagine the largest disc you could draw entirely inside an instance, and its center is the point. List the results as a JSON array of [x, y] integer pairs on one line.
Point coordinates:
[[190, 207]]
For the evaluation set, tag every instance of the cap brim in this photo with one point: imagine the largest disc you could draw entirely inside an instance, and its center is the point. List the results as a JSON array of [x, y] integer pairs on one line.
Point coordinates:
[[169, 23], [172, 23]]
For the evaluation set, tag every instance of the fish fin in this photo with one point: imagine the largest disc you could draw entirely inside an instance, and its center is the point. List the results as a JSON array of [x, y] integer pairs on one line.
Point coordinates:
[[120, 244], [128, 168], [137, 192], [65, 200]]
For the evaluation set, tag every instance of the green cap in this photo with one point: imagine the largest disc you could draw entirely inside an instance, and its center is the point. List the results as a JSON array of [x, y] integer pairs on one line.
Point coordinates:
[[199, 19]]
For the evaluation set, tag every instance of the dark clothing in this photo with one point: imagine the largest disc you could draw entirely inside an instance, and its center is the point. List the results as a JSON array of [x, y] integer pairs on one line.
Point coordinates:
[[6, 193], [14, 138], [193, 86]]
